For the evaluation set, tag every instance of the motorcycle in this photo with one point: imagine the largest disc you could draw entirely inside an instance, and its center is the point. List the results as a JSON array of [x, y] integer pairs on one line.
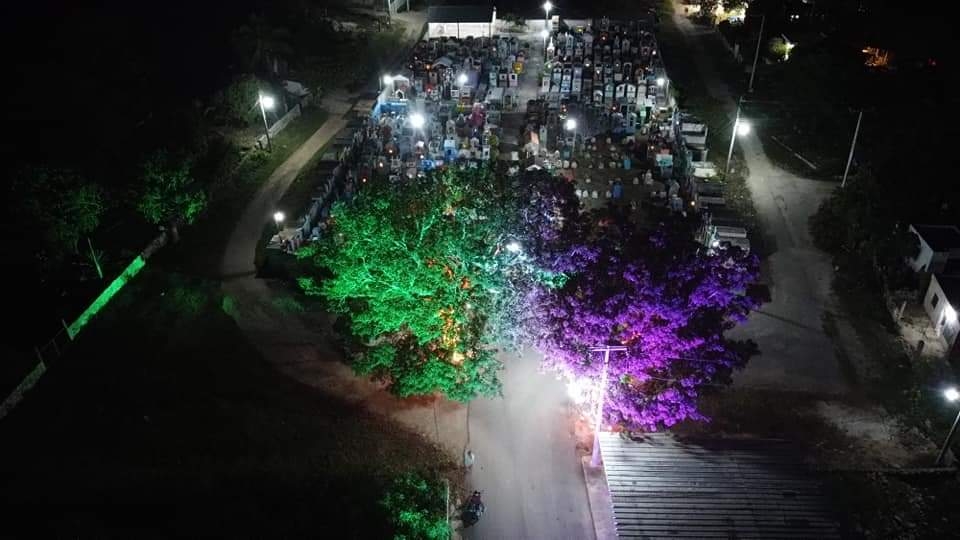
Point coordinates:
[[473, 510]]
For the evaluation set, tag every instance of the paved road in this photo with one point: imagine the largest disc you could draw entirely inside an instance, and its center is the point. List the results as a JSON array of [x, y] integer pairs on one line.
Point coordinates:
[[527, 462], [796, 354]]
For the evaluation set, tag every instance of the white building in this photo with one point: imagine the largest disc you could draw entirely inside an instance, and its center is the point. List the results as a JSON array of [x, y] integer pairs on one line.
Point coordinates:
[[941, 304], [461, 21], [938, 244]]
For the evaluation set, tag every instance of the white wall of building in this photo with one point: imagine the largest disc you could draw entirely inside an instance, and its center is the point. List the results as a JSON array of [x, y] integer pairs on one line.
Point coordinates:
[[922, 261], [942, 314], [458, 30]]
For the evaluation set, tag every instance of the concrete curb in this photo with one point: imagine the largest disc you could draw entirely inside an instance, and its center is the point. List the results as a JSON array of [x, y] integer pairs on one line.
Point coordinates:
[[601, 507]]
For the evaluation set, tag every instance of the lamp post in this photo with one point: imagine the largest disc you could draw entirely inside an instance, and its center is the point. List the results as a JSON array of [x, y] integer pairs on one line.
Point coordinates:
[[417, 121], [739, 128], [544, 34], [663, 82], [605, 349], [950, 394], [547, 6], [266, 102], [571, 125], [278, 219], [756, 54], [461, 82], [853, 144]]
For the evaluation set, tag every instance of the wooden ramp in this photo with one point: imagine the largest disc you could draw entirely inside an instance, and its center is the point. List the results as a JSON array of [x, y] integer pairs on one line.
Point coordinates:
[[665, 487]]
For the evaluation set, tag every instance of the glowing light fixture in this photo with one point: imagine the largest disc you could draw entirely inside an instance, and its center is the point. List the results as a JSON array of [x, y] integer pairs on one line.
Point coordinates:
[[417, 120], [951, 394], [571, 124], [462, 79], [514, 247]]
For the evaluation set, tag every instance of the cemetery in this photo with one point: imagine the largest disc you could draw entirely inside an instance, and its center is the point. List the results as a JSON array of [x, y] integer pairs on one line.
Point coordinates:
[[588, 100]]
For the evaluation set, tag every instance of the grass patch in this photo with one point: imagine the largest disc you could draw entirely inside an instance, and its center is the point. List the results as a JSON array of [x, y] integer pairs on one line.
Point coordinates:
[[201, 247], [896, 506], [909, 389], [165, 422]]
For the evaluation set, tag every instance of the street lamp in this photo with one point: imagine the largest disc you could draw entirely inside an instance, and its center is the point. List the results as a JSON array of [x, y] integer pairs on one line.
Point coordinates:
[[605, 349], [386, 81], [514, 247], [266, 102], [462, 79], [571, 125], [547, 6], [278, 219], [952, 395], [544, 34], [740, 127], [417, 120]]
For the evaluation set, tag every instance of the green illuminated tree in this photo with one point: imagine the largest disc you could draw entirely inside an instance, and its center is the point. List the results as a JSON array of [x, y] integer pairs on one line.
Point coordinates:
[[60, 203], [432, 272], [170, 195], [415, 507]]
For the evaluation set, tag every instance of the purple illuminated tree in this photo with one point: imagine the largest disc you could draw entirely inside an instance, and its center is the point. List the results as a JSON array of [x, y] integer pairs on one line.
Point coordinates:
[[664, 297]]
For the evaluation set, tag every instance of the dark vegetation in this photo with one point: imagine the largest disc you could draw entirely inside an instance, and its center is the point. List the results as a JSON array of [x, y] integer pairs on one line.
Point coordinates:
[[125, 118], [168, 423]]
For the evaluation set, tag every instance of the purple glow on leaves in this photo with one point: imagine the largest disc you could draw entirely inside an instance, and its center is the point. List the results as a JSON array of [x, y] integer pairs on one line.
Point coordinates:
[[668, 302]]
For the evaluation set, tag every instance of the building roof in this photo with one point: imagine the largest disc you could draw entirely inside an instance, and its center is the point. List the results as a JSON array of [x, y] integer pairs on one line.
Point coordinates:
[[663, 486], [939, 237], [463, 14], [951, 288]]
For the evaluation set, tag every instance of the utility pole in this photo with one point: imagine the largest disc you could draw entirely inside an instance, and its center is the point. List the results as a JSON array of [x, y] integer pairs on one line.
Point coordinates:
[[853, 144], [605, 349], [946, 443], [756, 55]]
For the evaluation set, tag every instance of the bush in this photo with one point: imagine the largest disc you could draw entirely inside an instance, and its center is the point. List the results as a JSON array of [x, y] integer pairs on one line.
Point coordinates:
[[416, 508]]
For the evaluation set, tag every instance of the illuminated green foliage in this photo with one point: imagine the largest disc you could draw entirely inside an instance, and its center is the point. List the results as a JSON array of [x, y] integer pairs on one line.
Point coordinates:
[[415, 507], [414, 268], [169, 192], [432, 272], [61, 203]]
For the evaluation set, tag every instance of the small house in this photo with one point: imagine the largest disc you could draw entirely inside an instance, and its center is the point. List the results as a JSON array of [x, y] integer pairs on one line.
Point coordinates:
[[941, 304], [938, 244]]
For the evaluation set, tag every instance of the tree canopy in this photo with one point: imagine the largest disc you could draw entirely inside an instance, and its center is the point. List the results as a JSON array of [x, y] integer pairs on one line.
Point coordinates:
[[169, 192], [64, 205], [415, 507], [436, 272], [666, 299], [433, 272]]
